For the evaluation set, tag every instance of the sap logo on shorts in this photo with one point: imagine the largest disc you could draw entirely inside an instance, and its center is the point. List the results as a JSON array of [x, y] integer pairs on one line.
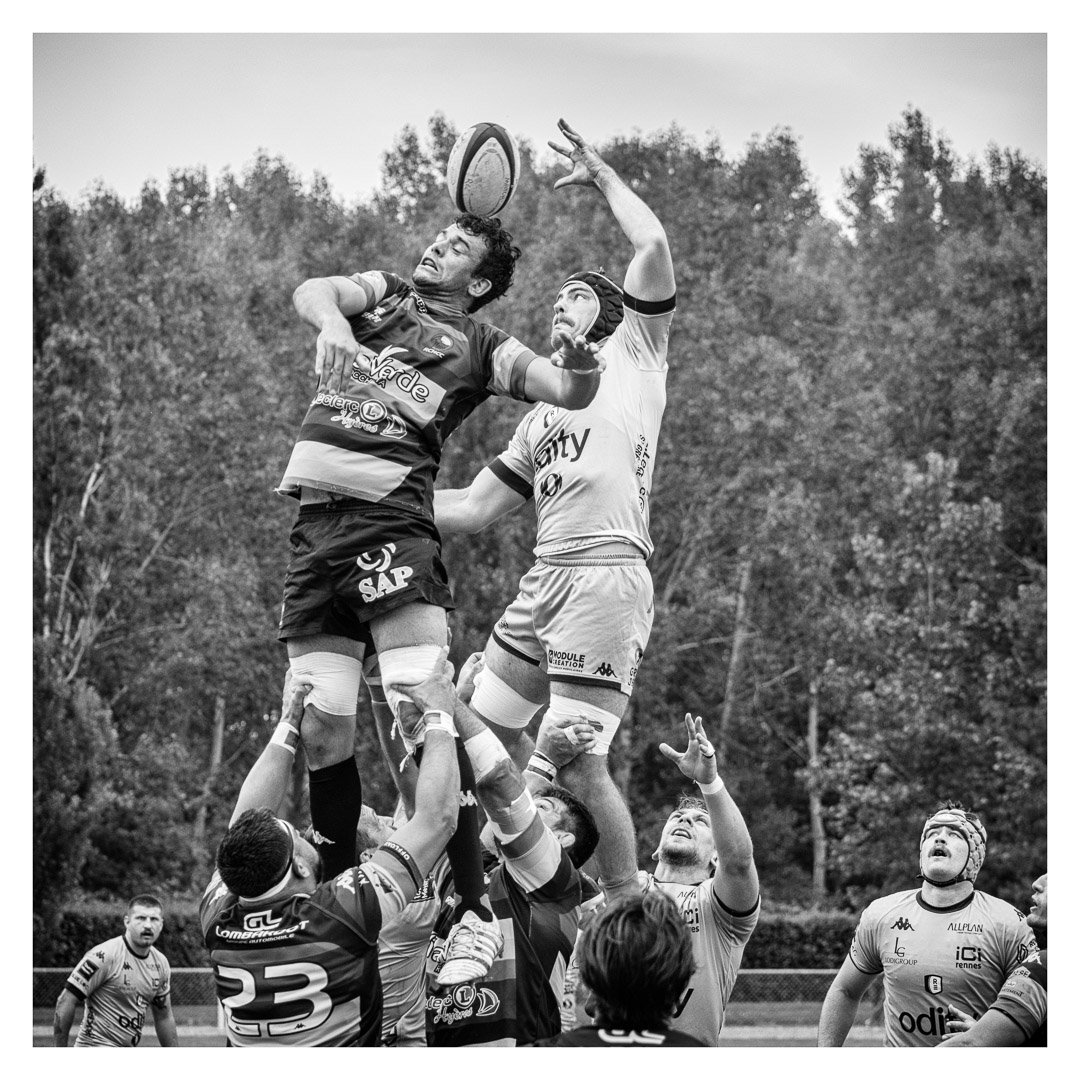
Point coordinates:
[[375, 315], [386, 579], [566, 661]]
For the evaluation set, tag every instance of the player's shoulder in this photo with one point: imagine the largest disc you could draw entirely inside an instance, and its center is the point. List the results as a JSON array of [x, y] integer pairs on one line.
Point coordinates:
[[884, 906], [1001, 910]]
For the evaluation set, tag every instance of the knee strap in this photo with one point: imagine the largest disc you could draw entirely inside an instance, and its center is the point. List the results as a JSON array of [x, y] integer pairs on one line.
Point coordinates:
[[335, 680], [497, 701], [406, 667], [604, 723]]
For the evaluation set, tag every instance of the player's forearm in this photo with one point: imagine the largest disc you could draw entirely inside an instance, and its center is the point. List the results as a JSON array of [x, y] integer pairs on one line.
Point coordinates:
[[730, 834], [455, 512], [267, 781], [317, 302], [576, 391], [837, 1015], [62, 1018], [165, 1026], [641, 226], [437, 785]]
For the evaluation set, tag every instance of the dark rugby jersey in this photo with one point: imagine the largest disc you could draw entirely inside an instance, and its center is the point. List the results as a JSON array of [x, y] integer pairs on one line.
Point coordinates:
[[518, 1002], [597, 1036], [381, 437], [302, 970], [1023, 1000]]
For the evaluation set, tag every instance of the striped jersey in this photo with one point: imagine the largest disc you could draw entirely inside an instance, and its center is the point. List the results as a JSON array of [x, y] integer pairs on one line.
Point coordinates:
[[518, 1001], [590, 1035], [935, 957], [302, 969], [1023, 1000], [380, 438], [403, 950], [116, 985], [719, 937], [590, 470]]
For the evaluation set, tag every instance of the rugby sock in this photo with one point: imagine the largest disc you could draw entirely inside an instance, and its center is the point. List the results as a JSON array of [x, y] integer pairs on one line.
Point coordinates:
[[463, 848], [336, 799]]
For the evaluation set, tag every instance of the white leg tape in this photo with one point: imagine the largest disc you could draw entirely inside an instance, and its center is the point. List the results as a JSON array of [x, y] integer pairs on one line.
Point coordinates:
[[497, 701], [335, 680], [406, 667], [604, 723]]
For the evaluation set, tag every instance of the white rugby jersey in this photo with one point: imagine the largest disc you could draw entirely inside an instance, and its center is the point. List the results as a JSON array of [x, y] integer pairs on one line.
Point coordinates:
[[936, 957], [719, 937], [590, 470]]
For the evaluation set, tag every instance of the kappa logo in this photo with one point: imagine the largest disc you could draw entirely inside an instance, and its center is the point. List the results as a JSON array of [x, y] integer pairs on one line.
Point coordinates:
[[466, 798], [318, 838], [901, 924], [261, 920], [606, 670]]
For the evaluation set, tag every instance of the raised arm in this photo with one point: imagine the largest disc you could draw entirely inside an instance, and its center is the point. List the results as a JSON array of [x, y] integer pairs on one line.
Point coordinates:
[[268, 779], [735, 882], [841, 1004], [326, 303], [650, 275], [468, 510]]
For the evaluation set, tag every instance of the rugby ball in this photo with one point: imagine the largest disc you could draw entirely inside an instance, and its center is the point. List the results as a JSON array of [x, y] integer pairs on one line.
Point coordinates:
[[482, 170]]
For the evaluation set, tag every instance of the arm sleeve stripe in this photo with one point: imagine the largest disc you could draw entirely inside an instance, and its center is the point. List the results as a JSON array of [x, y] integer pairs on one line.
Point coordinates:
[[649, 307], [740, 914], [511, 479], [405, 859], [517, 374], [998, 1009], [75, 990]]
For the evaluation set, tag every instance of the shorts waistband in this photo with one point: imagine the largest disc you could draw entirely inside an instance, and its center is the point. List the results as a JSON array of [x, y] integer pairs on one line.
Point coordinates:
[[595, 558]]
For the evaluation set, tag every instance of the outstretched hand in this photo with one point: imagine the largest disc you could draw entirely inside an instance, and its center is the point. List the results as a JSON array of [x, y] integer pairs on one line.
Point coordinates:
[[467, 676], [957, 1022], [585, 162], [577, 354], [293, 693], [698, 761]]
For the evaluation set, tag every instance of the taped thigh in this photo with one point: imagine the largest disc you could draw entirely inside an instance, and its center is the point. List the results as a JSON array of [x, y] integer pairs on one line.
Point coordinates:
[[496, 700], [335, 680], [405, 667], [604, 723]]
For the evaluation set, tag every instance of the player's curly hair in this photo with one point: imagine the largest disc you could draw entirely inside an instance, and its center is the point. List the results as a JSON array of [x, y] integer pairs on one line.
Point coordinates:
[[578, 820], [637, 958], [254, 854], [502, 255]]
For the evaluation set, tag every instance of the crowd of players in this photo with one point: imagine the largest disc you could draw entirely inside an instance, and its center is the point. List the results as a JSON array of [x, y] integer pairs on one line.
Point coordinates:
[[501, 903]]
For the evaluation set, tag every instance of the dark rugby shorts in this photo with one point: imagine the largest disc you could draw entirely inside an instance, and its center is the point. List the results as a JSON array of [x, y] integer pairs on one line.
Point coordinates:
[[352, 561]]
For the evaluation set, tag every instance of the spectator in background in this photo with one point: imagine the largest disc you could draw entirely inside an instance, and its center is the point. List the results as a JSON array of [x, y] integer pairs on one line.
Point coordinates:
[[116, 981], [636, 959]]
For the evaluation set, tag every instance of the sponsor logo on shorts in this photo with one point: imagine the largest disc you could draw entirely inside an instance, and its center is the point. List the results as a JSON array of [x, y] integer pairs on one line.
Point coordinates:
[[385, 578], [375, 315], [566, 661], [461, 1003]]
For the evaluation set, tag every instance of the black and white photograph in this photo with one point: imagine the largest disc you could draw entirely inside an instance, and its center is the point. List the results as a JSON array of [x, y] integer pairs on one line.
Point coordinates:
[[540, 532]]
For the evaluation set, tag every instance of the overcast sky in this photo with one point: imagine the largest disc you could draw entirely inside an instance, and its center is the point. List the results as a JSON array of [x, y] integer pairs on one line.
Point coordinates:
[[125, 108]]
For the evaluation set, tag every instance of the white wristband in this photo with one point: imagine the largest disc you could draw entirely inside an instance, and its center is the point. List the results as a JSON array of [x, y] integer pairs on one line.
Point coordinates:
[[287, 736], [712, 787], [437, 720]]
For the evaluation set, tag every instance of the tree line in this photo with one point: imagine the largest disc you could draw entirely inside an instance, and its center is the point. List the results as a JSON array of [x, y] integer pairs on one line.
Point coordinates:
[[849, 502]]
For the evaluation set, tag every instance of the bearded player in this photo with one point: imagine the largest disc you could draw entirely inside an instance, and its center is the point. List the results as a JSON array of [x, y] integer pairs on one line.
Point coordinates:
[[943, 947], [576, 632]]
